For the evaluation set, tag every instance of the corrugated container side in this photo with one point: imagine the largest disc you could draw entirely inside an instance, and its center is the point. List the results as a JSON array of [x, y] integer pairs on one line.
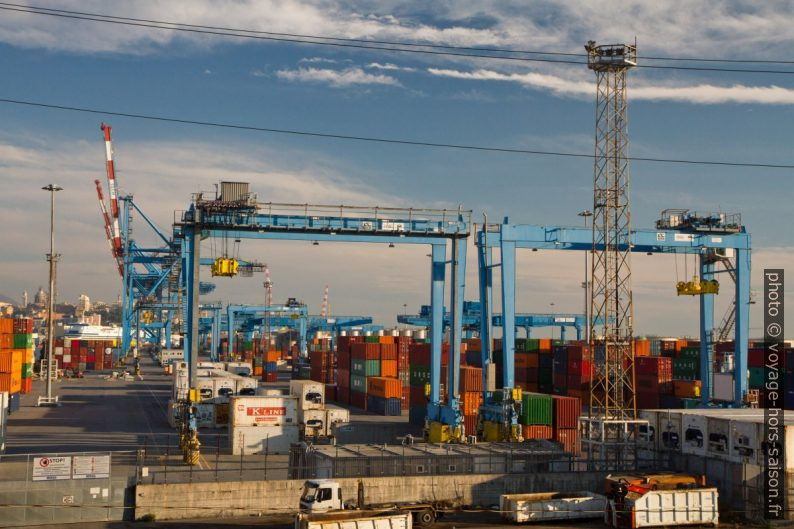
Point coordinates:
[[566, 412]]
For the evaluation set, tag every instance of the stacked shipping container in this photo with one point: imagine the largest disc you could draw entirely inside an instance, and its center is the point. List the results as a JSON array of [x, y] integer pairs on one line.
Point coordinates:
[[16, 358]]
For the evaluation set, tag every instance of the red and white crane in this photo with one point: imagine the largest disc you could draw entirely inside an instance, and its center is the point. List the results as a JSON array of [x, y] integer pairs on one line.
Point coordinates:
[[112, 190], [106, 219]]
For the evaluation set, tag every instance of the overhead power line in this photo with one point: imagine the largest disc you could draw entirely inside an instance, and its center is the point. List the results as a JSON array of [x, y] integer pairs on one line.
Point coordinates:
[[379, 45], [373, 139]]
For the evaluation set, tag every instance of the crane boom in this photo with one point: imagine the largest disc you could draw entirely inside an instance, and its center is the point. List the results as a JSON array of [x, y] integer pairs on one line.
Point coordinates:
[[106, 219], [112, 189]]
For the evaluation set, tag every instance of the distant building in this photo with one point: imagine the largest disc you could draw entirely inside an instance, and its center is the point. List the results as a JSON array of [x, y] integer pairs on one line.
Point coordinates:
[[25, 299], [92, 319], [41, 298], [6, 309], [83, 305]]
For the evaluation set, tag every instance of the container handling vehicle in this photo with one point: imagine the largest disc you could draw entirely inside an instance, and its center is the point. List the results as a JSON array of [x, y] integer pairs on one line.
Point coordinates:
[[324, 497]]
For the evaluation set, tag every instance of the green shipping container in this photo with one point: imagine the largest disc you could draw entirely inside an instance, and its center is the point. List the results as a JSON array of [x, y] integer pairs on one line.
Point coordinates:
[[27, 370], [532, 344], [757, 377], [690, 404], [372, 368], [23, 341], [545, 376], [420, 375], [536, 409], [372, 339], [358, 383], [358, 366]]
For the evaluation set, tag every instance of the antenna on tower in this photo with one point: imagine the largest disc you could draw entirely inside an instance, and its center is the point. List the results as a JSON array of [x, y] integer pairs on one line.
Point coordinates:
[[269, 302]]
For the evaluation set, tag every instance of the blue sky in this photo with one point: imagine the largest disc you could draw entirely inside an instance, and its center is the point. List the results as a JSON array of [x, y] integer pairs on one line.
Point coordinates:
[[673, 114]]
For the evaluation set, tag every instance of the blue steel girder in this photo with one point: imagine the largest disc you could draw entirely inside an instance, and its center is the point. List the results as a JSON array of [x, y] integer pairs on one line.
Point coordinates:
[[351, 224], [508, 237]]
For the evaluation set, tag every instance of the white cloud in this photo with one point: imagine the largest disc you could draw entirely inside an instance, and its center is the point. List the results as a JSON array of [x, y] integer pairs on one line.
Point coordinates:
[[315, 60], [258, 73], [337, 78], [390, 66], [700, 93]]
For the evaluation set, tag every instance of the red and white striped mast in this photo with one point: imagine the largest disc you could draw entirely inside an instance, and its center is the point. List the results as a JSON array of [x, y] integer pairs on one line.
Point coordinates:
[[106, 219], [324, 310], [112, 190]]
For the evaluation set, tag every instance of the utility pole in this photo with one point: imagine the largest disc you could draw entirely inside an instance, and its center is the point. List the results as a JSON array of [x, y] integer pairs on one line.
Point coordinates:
[[52, 257], [586, 285]]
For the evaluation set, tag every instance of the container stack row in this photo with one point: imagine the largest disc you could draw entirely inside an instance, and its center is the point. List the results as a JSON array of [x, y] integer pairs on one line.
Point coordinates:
[[16, 358], [86, 355]]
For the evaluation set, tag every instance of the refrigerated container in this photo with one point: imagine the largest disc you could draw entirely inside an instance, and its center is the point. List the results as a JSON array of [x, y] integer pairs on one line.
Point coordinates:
[[263, 411], [719, 437], [335, 415], [746, 441], [313, 422], [669, 432], [247, 440], [311, 394], [695, 438]]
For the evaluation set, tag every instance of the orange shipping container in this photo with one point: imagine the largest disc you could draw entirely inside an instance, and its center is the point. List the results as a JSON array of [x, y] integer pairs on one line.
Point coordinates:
[[522, 360], [11, 361], [384, 387], [532, 359], [11, 382], [388, 368], [273, 356], [642, 348], [6, 325], [386, 339], [544, 344], [6, 341], [537, 432], [686, 389], [470, 378], [472, 400]]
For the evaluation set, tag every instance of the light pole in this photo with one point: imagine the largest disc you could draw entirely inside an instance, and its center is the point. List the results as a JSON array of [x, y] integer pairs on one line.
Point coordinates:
[[586, 284], [52, 257]]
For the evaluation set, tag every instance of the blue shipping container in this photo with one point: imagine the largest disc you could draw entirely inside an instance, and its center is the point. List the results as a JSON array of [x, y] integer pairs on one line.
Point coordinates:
[[271, 367], [13, 402], [383, 406], [417, 414], [545, 361]]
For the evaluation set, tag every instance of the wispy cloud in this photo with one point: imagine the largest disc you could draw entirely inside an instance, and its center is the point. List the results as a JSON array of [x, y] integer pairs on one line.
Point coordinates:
[[390, 66], [314, 60], [699, 93], [337, 78], [258, 73]]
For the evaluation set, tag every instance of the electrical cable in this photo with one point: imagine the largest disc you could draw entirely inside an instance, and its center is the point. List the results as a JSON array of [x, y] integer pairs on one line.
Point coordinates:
[[373, 139], [364, 44]]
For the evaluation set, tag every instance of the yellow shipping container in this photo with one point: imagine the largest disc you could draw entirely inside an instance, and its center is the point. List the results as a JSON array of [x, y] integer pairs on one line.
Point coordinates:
[[11, 382], [11, 361]]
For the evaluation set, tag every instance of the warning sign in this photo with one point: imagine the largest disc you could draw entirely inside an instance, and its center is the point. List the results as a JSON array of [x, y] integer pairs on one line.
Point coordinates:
[[52, 468], [91, 467]]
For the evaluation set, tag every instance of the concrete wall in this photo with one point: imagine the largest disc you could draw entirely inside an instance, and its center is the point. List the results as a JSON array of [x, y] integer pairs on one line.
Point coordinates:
[[252, 498]]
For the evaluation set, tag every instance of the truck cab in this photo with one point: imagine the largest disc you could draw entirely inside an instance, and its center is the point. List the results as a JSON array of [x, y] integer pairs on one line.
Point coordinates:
[[321, 495]]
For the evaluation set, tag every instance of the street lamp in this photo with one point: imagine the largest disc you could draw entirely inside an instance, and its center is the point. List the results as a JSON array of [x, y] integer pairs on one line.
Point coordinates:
[[586, 284], [52, 257]]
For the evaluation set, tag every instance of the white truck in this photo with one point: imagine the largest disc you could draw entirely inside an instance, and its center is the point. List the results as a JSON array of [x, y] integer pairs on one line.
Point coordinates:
[[354, 520], [552, 506], [325, 496]]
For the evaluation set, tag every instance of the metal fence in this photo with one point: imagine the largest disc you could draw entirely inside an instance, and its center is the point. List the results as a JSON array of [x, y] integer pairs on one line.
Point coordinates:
[[58, 488]]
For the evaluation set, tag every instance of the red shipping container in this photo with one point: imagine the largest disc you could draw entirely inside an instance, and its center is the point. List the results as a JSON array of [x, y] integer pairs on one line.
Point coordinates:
[[522, 360], [532, 387], [342, 395], [271, 377], [560, 381], [756, 358], [522, 374], [470, 378], [330, 392], [537, 432], [579, 367], [388, 368], [578, 353], [358, 400], [470, 424], [578, 382], [406, 398], [651, 365], [647, 400], [569, 438], [532, 375], [343, 378], [388, 351], [418, 397], [725, 347], [652, 384], [471, 400], [27, 385], [566, 412]]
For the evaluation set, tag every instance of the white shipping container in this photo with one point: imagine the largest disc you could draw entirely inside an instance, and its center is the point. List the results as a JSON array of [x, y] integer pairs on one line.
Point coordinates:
[[205, 414], [647, 436], [311, 394], [58, 350], [67, 358], [247, 440], [665, 508], [668, 431], [723, 387], [270, 392], [246, 383], [551, 506], [746, 445], [206, 387], [313, 422], [719, 439], [3, 419], [335, 415], [224, 387], [263, 411], [695, 436]]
